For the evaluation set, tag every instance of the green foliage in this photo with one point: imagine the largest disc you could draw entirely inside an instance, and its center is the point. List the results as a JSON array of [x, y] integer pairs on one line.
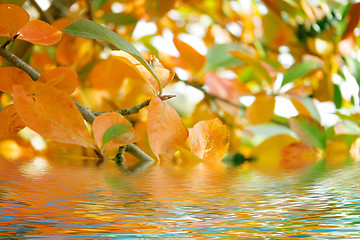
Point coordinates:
[[113, 132]]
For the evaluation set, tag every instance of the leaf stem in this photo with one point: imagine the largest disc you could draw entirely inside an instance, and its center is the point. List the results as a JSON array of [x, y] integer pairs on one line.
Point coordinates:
[[90, 11]]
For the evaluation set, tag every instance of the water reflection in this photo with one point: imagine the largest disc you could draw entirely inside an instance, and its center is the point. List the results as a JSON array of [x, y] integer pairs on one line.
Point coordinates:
[[58, 199]]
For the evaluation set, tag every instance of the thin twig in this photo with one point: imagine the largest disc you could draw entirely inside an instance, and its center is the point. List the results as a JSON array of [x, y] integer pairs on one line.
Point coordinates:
[[45, 15], [17, 62], [90, 11], [136, 108]]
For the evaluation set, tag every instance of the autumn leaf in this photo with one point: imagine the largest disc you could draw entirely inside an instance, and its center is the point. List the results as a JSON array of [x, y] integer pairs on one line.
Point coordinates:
[[51, 113], [113, 130], [11, 76], [110, 73], [191, 59], [85, 28], [12, 18], [166, 130], [164, 74], [39, 32], [63, 78], [261, 110], [267, 155], [209, 140], [297, 155], [10, 123]]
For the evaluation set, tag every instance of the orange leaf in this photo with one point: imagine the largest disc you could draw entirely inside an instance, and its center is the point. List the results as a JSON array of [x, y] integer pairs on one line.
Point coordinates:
[[191, 59], [261, 110], [51, 113], [109, 74], [12, 18], [297, 155], [337, 152], [11, 76], [104, 121], [164, 74], [268, 154], [63, 78], [39, 32], [209, 140], [10, 123], [166, 130]]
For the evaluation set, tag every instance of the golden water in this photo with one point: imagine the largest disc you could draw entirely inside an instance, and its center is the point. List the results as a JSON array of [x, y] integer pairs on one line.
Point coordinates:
[[67, 198]]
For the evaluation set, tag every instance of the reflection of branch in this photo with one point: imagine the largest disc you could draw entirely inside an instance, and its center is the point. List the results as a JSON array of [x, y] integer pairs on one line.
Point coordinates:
[[45, 15], [136, 108], [87, 113]]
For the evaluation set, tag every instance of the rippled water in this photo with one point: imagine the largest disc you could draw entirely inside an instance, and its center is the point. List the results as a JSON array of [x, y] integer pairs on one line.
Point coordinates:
[[68, 198]]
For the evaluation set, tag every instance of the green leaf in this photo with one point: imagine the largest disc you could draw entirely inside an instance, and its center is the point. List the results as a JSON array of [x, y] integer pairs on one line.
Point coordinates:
[[354, 66], [300, 69], [337, 96], [309, 131], [85, 28], [218, 56], [120, 18], [113, 132]]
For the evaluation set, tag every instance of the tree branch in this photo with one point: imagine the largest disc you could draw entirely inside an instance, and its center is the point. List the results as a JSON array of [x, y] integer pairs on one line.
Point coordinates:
[[46, 16], [87, 114], [90, 11], [136, 108]]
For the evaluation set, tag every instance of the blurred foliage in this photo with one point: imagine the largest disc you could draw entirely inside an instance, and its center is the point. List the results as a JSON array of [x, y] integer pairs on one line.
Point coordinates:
[[302, 52]]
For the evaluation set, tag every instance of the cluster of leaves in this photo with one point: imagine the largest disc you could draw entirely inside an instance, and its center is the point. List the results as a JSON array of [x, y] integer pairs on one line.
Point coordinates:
[[92, 63]]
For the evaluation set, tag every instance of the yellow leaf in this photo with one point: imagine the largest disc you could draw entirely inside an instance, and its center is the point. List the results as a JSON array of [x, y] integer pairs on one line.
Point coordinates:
[[267, 154], [337, 151], [165, 128], [164, 74], [209, 140], [261, 110]]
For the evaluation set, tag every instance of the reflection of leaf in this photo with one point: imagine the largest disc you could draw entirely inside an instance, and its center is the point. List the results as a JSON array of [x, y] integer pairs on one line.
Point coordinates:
[[51, 113], [261, 110], [209, 140], [300, 69], [10, 123], [88, 29], [165, 128], [113, 130], [218, 56], [309, 130]]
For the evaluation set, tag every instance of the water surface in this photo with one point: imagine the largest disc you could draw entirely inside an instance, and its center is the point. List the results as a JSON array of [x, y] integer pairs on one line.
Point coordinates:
[[67, 198]]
